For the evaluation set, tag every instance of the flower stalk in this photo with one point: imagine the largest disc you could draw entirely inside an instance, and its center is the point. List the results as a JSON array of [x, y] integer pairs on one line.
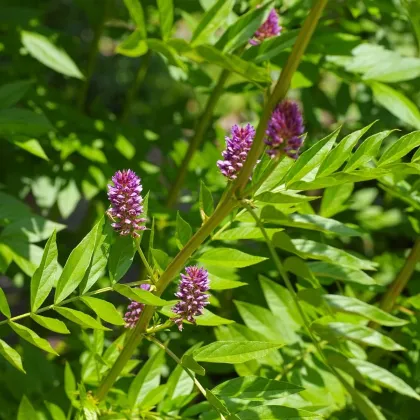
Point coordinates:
[[228, 202]]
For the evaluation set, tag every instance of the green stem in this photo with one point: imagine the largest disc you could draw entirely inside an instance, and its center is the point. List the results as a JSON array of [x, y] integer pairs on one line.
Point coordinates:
[[67, 301], [279, 92], [145, 263], [226, 205], [178, 361], [285, 277], [131, 93], [93, 55], [399, 284], [194, 144]]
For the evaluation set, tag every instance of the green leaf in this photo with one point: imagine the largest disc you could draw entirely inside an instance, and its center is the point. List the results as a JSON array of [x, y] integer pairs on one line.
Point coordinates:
[[356, 306], [4, 306], [338, 272], [341, 153], [167, 51], [320, 251], [69, 382], [11, 93], [32, 337], [80, 318], [136, 12], [22, 122], [56, 412], [233, 63], [366, 151], [183, 231], [44, 277], [383, 377], [12, 209], [311, 159], [245, 232], [161, 259], [400, 148], [255, 388], [227, 257], [30, 145], [11, 355], [334, 199], [140, 295], [276, 412], [416, 156], [26, 410], [121, 257], [265, 323], [218, 404], [147, 379], [99, 260], [51, 324], [357, 333], [43, 50], [135, 45], [243, 29], [397, 104], [234, 351], [166, 16], [35, 228], [77, 265], [189, 362], [271, 48], [105, 310], [206, 202], [209, 319], [214, 18], [283, 198]]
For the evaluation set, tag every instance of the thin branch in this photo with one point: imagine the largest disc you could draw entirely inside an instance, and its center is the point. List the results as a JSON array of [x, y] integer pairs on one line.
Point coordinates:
[[144, 260]]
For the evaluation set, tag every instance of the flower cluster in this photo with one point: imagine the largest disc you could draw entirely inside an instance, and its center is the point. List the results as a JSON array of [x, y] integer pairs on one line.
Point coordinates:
[[134, 310], [126, 203], [237, 148], [285, 129], [268, 29], [192, 294]]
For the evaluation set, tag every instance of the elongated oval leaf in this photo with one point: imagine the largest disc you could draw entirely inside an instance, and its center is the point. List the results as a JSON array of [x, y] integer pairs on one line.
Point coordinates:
[[13, 92], [11, 355], [255, 388], [140, 295], [366, 151], [276, 412], [384, 377], [214, 18], [356, 306], [51, 324], [311, 159], [183, 231], [397, 104], [4, 306], [42, 49], [166, 16], [228, 257], [26, 410], [137, 14], [147, 379], [32, 337], [77, 265], [121, 257], [85, 320], [105, 310], [44, 277], [342, 152], [358, 333], [21, 122], [234, 351], [400, 148]]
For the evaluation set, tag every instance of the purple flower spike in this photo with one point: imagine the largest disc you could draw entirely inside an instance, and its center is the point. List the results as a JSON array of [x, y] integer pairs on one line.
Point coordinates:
[[285, 129], [126, 203], [268, 29], [134, 310], [191, 292], [237, 148]]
